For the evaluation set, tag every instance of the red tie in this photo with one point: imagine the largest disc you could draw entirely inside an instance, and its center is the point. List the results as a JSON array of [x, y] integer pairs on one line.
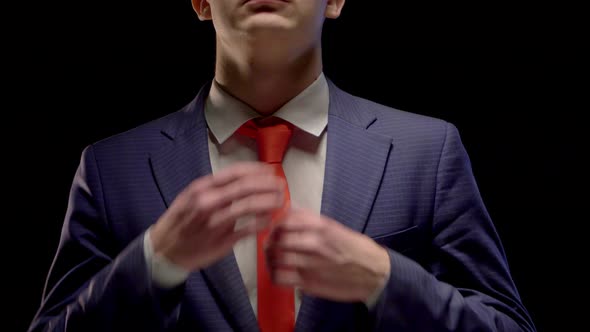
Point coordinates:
[[276, 305]]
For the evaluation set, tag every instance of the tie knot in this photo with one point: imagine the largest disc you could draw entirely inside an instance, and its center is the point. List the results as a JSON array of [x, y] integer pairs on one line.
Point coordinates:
[[272, 136]]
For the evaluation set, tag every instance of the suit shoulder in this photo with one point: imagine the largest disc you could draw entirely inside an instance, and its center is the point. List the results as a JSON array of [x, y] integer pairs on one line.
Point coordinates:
[[396, 122], [141, 139], [140, 134]]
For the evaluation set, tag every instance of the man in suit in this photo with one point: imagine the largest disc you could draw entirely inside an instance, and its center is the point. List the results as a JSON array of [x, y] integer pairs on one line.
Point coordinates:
[[186, 223]]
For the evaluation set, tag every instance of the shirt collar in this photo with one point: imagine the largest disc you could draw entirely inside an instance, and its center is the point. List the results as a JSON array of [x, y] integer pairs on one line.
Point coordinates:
[[308, 111]]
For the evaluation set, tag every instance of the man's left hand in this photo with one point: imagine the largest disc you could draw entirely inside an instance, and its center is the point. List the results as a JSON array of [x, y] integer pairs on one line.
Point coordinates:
[[325, 259]]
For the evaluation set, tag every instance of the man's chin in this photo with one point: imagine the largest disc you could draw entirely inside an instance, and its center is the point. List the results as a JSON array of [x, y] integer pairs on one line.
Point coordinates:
[[267, 22]]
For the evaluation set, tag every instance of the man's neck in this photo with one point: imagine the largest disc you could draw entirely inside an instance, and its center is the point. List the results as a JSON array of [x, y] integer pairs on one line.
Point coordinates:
[[267, 85]]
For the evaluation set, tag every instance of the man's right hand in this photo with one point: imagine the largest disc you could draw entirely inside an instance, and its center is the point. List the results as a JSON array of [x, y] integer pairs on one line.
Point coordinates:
[[198, 228]]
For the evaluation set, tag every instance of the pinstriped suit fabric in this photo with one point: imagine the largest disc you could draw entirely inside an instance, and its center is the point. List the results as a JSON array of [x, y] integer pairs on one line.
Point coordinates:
[[401, 178]]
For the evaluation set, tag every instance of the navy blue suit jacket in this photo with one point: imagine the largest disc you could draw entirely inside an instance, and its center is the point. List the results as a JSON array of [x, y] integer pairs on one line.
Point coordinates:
[[403, 179]]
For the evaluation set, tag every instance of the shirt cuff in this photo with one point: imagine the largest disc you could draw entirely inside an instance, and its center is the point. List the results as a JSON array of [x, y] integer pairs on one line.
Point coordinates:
[[374, 298], [163, 272]]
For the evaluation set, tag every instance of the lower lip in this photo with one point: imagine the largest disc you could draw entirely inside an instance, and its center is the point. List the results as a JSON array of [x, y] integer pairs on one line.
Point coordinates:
[[265, 2]]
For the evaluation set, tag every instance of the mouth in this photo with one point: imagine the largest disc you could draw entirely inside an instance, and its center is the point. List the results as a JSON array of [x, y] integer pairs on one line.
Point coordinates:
[[264, 2], [264, 6]]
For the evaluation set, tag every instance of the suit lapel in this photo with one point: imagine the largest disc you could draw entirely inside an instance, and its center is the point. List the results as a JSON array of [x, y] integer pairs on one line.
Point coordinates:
[[355, 162], [175, 166]]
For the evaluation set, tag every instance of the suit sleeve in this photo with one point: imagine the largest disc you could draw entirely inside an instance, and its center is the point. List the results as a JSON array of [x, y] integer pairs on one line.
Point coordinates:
[[93, 285], [465, 283]]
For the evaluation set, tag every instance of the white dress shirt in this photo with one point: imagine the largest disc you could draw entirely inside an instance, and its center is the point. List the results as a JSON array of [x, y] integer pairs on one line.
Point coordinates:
[[303, 164]]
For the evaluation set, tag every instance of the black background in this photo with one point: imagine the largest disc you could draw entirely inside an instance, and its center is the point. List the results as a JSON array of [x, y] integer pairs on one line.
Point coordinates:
[[510, 78]]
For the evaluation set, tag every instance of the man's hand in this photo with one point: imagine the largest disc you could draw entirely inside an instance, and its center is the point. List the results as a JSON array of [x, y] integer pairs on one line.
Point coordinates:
[[198, 228], [325, 258]]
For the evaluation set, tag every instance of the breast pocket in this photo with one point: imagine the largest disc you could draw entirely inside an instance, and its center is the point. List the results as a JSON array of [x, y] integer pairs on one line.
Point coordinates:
[[402, 241]]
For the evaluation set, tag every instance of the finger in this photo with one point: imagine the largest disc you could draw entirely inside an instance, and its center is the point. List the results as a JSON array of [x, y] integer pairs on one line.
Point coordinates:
[[302, 242], [285, 277], [213, 200], [300, 220], [241, 188], [294, 260], [230, 174], [240, 234], [224, 242], [184, 210], [229, 239], [292, 222], [260, 204], [253, 184], [194, 219], [250, 227]]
